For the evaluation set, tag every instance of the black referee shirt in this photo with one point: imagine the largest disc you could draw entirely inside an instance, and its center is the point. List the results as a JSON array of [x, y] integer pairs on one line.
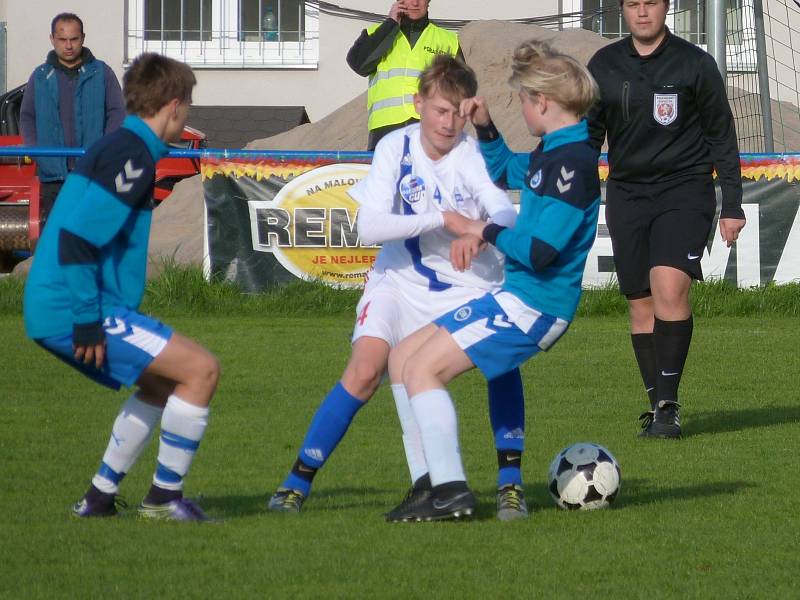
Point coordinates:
[[666, 116]]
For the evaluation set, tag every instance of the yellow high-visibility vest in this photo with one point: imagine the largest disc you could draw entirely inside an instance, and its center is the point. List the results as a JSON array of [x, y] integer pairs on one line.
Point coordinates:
[[390, 97]]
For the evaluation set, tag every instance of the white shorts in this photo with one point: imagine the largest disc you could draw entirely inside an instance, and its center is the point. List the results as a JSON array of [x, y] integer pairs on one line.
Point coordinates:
[[392, 310]]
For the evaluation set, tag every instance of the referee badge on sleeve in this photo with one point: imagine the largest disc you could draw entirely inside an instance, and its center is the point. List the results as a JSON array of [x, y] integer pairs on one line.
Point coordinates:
[[665, 108]]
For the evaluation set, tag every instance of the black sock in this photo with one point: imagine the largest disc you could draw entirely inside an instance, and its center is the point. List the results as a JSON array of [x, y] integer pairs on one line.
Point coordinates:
[[509, 459], [645, 352], [303, 471], [672, 340], [159, 495]]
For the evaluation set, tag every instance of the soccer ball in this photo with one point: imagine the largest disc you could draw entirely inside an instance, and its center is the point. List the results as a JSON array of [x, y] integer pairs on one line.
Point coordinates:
[[584, 476]]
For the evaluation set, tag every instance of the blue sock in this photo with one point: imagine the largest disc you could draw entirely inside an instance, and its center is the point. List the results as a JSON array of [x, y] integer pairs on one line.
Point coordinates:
[[327, 428], [507, 415]]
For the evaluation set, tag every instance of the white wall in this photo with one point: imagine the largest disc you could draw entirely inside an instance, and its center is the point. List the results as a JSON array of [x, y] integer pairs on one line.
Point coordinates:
[[320, 90]]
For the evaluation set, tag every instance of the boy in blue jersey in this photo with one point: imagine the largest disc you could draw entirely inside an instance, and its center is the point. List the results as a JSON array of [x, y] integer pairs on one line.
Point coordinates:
[[419, 172], [86, 284], [545, 252]]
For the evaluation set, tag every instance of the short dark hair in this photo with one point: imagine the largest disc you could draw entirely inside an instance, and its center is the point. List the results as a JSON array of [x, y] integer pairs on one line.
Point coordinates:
[[450, 77], [65, 16], [153, 81]]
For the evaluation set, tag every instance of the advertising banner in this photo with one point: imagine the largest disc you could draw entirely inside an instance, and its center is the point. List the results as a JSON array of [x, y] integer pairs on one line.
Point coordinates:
[[272, 219]]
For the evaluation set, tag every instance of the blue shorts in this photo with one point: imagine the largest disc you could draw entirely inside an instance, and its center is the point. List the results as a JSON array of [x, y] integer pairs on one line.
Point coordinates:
[[499, 332], [133, 340]]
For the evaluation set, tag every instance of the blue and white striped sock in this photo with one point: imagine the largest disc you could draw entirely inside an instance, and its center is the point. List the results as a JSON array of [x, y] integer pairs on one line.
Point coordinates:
[[130, 434], [182, 428]]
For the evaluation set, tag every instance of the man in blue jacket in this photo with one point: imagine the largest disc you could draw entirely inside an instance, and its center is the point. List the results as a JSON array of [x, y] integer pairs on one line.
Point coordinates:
[[71, 100]]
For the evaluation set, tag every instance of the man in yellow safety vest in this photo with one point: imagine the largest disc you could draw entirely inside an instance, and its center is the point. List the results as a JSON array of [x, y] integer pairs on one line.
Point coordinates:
[[393, 54]]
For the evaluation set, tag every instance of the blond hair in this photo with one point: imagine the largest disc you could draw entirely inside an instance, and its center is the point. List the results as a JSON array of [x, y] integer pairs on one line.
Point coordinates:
[[454, 80], [538, 69]]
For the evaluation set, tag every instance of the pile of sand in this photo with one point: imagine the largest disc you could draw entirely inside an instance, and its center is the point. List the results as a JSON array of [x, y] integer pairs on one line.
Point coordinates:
[[487, 45]]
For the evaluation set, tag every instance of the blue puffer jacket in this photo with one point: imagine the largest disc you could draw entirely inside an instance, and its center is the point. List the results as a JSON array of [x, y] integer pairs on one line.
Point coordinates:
[[90, 114]]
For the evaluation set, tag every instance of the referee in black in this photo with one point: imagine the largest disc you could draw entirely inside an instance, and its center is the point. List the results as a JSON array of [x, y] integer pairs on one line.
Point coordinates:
[[665, 111]]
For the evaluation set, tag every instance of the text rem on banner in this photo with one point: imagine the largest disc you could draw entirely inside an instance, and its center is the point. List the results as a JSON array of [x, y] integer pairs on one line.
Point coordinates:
[[271, 219]]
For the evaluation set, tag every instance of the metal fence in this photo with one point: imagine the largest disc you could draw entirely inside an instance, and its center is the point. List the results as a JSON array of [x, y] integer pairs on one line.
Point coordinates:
[[762, 47]]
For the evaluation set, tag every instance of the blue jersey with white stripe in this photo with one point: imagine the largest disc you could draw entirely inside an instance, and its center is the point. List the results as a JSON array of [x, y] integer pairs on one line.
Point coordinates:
[[92, 256], [546, 249]]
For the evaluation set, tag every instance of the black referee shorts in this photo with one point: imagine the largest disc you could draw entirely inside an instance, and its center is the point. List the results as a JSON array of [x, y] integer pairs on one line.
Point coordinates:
[[659, 224]]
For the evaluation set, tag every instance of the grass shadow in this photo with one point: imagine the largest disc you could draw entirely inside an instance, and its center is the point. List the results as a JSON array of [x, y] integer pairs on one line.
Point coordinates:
[[638, 492], [723, 421], [635, 492]]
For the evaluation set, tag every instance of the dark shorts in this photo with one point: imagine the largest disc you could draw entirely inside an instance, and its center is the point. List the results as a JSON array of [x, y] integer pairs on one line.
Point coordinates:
[[659, 224]]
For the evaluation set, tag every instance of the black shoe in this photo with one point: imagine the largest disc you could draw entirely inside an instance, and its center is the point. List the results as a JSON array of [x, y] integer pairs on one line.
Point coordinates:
[[286, 500], [415, 497], [444, 503], [646, 418], [98, 504], [666, 422]]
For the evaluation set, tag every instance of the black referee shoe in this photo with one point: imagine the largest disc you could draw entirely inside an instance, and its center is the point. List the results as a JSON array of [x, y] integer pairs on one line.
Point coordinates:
[[666, 423], [446, 502]]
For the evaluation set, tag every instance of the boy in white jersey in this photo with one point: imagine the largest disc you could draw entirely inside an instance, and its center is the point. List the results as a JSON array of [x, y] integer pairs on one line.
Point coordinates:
[[418, 174]]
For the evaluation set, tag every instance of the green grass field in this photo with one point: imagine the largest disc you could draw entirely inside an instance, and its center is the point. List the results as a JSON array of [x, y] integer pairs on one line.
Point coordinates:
[[709, 516]]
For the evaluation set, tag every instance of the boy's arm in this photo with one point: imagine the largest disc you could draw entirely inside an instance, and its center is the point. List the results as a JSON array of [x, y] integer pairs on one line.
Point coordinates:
[[376, 227], [377, 222], [539, 246], [494, 201], [506, 168], [95, 219]]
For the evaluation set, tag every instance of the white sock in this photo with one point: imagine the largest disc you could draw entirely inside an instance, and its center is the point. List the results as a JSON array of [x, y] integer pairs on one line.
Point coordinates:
[[438, 425], [130, 434], [182, 428], [412, 438]]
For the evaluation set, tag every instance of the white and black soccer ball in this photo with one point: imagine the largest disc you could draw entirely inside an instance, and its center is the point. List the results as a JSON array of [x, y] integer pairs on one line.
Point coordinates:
[[584, 476]]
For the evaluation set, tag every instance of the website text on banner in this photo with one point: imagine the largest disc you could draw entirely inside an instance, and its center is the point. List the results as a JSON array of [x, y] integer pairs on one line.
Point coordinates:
[[270, 221]]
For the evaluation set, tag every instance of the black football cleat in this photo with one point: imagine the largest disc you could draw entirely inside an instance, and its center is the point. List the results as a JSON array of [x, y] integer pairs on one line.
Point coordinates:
[[445, 503], [417, 495], [666, 422]]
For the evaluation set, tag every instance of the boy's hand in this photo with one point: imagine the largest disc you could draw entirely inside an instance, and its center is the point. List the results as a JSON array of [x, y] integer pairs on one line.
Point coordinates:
[[463, 249], [460, 225], [91, 354], [475, 110]]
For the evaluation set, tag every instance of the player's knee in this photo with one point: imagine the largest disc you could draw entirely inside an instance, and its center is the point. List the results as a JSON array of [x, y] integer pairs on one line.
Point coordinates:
[[414, 370], [206, 371], [362, 380]]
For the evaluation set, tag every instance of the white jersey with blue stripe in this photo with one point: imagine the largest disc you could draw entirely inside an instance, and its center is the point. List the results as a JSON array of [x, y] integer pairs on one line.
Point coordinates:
[[403, 180]]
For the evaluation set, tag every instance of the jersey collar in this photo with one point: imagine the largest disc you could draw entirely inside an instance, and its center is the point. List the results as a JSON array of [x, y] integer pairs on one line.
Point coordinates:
[[157, 148], [566, 135], [659, 49]]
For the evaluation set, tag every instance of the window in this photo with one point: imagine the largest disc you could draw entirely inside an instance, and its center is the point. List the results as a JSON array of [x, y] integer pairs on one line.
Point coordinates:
[[189, 20], [603, 17], [226, 33], [272, 20]]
